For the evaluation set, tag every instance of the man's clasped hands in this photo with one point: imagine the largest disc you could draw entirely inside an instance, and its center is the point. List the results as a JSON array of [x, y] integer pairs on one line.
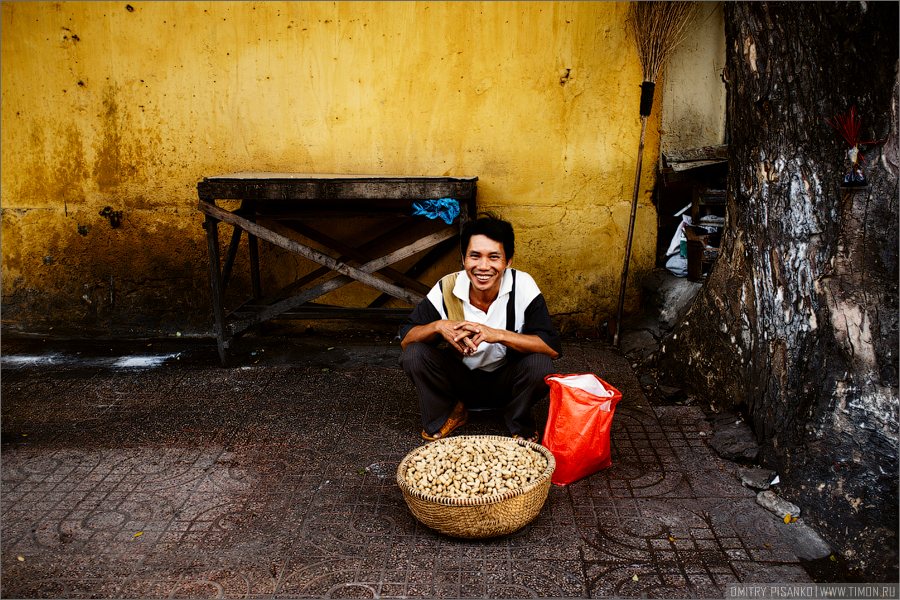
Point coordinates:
[[466, 336]]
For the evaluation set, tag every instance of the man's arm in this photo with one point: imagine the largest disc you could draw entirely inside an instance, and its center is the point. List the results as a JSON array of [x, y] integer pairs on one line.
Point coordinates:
[[426, 325], [427, 334], [526, 344], [539, 335], [434, 331]]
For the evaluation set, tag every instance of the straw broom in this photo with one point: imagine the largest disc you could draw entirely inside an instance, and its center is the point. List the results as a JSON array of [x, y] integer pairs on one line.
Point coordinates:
[[656, 28]]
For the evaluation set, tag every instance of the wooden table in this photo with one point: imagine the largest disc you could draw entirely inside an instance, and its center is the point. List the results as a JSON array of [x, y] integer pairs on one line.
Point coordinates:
[[271, 202]]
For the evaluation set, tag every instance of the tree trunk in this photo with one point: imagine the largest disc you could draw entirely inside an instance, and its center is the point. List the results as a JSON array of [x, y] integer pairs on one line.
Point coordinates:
[[797, 321]]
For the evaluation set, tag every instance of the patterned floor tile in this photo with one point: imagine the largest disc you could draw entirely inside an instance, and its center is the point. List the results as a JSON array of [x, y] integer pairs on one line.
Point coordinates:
[[279, 482]]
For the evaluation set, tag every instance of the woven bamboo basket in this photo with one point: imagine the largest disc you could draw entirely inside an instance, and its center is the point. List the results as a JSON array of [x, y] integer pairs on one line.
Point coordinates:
[[482, 517]]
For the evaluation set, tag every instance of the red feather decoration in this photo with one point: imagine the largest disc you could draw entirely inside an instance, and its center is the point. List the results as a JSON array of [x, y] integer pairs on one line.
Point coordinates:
[[848, 126]]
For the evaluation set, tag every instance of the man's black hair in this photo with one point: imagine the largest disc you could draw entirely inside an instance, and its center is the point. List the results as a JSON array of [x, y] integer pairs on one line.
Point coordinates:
[[489, 225]]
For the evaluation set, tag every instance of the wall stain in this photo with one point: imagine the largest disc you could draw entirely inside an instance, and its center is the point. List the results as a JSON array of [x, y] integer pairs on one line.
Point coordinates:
[[70, 170], [34, 165], [107, 168]]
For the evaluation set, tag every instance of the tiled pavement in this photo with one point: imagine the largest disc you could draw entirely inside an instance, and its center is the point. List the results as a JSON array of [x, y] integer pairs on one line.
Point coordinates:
[[153, 472]]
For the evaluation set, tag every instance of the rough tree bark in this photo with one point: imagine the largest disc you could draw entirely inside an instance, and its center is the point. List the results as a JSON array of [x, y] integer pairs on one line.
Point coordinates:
[[797, 321]]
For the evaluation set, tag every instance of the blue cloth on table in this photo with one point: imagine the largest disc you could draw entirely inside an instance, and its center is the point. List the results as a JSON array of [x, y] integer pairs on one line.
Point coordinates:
[[445, 208]]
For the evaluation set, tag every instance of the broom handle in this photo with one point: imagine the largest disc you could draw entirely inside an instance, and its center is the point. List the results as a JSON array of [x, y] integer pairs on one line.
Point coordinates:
[[634, 201]]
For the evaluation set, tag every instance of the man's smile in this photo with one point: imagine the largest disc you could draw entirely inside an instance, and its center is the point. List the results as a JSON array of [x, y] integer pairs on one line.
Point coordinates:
[[485, 262]]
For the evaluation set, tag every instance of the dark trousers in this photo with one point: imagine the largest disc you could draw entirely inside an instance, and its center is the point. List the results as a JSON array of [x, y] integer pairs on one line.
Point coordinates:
[[441, 379]]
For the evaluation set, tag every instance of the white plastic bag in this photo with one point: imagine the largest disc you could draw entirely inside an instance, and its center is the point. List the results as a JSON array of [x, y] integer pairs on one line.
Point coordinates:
[[675, 244]]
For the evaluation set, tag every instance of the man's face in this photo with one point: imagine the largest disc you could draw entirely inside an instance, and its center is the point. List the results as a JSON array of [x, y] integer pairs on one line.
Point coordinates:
[[485, 262]]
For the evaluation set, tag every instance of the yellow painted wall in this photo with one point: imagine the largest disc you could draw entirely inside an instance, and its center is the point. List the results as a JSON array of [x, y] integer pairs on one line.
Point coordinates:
[[129, 104], [692, 113]]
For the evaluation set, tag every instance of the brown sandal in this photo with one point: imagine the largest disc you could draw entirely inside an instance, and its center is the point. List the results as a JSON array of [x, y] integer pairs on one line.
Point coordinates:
[[458, 418], [531, 438]]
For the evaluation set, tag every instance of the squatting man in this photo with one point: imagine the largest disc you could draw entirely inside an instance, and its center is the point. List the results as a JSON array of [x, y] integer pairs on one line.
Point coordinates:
[[500, 341]]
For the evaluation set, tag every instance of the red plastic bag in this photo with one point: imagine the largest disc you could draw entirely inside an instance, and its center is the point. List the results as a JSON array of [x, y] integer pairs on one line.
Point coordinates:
[[577, 431]]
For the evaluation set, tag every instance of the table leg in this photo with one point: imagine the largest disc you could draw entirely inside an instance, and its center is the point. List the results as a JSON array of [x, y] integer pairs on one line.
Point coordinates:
[[255, 286], [215, 280], [230, 256]]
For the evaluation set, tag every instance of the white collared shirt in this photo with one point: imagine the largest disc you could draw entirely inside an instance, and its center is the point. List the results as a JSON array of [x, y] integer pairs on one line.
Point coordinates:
[[530, 317], [490, 356]]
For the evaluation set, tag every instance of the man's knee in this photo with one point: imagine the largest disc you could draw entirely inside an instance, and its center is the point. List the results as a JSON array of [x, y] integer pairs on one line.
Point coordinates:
[[530, 373], [536, 366], [415, 355]]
